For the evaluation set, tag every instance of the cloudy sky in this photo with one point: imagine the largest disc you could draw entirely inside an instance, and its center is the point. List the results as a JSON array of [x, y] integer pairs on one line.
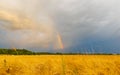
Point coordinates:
[[75, 25]]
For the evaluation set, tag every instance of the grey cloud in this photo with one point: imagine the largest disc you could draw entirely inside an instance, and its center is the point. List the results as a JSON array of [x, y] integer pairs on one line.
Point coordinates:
[[73, 19], [80, 18]]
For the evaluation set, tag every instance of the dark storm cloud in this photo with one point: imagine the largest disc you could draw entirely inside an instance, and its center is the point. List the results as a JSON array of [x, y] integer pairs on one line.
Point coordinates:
[[80, 18]]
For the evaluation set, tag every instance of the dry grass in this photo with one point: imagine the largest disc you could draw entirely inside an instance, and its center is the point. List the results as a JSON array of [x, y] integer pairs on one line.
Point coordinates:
[[60, 65]]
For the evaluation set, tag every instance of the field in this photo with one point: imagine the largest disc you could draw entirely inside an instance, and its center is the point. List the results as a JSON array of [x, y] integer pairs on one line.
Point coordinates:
[[60, 65]]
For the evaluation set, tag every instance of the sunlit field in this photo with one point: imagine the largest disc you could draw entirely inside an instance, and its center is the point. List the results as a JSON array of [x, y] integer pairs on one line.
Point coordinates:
[[60, 65]]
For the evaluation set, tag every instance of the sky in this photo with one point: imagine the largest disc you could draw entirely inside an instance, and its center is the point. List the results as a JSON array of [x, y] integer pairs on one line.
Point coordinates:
[[61, 25]]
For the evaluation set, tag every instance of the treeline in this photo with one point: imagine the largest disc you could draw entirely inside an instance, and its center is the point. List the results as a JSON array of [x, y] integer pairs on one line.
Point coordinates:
[[22, 52], [28, 52], [16, 52]]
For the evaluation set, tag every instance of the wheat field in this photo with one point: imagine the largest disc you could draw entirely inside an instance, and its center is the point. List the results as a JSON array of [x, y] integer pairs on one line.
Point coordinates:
[[60, 65]]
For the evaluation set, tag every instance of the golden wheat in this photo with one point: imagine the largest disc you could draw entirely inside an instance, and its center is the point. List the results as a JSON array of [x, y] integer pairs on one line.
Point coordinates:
[[60, 65]]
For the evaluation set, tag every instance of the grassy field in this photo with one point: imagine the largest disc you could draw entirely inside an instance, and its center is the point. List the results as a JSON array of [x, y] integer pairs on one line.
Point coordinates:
[[60, 65]]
